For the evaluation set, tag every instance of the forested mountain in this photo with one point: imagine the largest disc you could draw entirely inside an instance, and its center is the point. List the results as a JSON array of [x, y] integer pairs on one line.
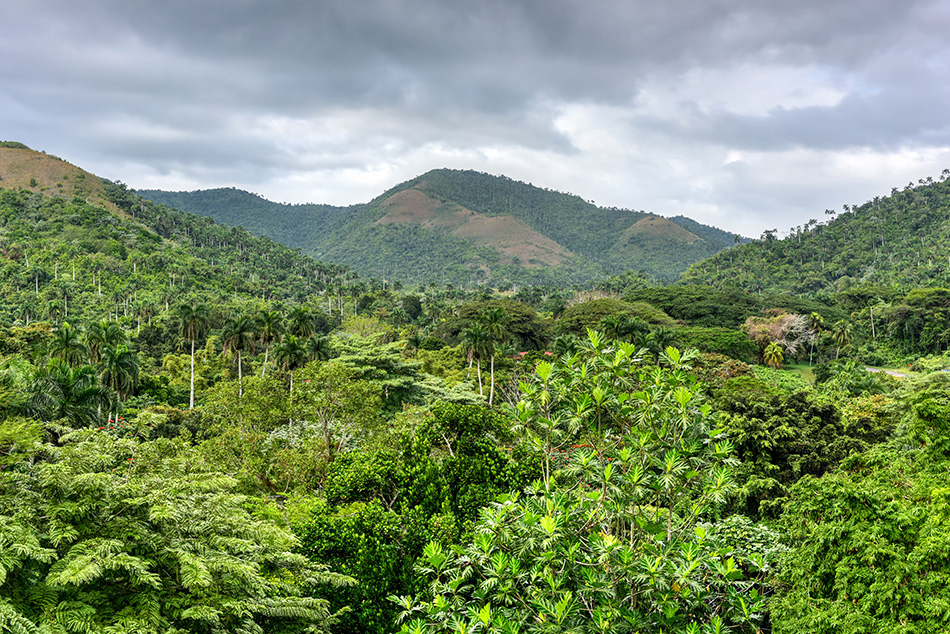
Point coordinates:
[[465, 227], [902, 239]]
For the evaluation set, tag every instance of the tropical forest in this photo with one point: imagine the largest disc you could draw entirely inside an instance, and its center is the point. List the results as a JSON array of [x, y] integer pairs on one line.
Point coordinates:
[[468, 406]]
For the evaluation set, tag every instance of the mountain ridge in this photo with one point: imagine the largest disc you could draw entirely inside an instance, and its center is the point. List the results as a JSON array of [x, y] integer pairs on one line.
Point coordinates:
[[463, 226]]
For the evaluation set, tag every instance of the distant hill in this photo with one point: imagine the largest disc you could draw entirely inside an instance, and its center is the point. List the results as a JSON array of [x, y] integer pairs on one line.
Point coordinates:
[[898, 240], [465, 227], [76, 246]]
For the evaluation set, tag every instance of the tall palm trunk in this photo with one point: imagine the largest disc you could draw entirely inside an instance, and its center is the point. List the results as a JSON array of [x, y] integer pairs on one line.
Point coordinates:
[[191, 400], [491, 390], [240, 378]]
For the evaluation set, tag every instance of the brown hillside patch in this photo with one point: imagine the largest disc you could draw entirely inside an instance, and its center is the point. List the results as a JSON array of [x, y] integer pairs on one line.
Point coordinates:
[[409, 206], [509, 236], [50, 176], [514, 239], [657, 227]]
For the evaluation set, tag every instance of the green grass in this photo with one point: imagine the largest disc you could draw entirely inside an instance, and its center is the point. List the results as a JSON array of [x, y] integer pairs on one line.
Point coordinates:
[[803, 370]]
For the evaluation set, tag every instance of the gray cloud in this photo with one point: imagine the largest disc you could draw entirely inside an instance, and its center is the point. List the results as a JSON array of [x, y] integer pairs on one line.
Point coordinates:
[[713, 108]]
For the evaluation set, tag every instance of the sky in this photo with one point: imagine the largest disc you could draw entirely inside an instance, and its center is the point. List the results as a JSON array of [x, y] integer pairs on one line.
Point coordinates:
[[744, 114]]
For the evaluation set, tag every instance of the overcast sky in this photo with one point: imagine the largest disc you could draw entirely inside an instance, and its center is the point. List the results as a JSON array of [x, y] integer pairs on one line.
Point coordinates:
[[744, 114]]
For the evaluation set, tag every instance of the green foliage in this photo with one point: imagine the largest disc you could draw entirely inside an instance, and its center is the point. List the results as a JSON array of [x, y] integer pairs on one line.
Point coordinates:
[[699, 305], [370, 543], [869, 548], [890, 241], [579, 317], [521, 323], [781, 436], [608, 539], [725, 341], [109, 534], [72, 260], [385, 504], [847, 378], [342, 407], [382, 365], [59, 392]]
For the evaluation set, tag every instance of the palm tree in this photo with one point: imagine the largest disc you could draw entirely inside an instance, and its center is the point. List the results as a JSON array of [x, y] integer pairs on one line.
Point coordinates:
[[100, 334], [475, 342], [119, 371], [564, 345], [414, 342], [67, 345], [843, 333], [300, 322], [239, 336], [612, 325], [816, 323], [61, 392], [192, 325], [291, 354], [773, 358], [25, 311], [54, 310], [268, 329], [665, 336], [494, 320], [143, 309], [318, 348]]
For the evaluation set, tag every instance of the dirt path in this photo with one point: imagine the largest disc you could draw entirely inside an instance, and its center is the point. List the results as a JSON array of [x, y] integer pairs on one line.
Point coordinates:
[[891, 372]]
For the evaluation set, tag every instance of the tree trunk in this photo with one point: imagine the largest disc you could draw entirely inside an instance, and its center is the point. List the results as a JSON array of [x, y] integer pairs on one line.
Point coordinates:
[[240, 378], [491, 389], [191, 400]]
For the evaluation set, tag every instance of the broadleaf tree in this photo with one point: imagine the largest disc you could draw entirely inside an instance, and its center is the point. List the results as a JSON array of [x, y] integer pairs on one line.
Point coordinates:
[[614, 537]]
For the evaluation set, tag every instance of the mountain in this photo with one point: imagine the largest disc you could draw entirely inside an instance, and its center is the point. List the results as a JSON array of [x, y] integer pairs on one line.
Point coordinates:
[[465, 227], [898, 240]]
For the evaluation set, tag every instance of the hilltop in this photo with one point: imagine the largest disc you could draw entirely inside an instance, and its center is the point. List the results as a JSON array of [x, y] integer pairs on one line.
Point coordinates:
[[39, 172], [465, 227]]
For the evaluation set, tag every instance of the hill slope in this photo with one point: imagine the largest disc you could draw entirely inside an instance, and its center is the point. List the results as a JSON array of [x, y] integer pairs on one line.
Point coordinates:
[[38, 172], [469, 227], [902, 239], [76, 258]]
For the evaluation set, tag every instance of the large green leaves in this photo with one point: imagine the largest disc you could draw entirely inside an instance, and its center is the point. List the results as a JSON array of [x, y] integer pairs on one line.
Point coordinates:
[[609, 540]]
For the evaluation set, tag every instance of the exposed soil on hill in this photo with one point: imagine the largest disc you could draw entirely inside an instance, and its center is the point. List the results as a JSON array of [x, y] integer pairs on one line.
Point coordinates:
[[51, 176], [658, 227], [513, 239]]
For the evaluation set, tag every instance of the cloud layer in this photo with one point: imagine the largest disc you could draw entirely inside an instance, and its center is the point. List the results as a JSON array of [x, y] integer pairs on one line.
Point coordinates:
[[744, 114]]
